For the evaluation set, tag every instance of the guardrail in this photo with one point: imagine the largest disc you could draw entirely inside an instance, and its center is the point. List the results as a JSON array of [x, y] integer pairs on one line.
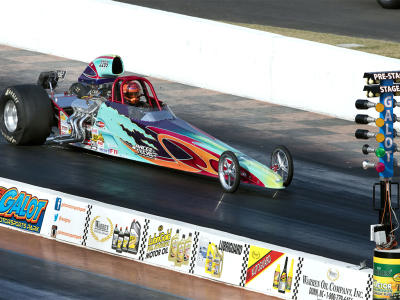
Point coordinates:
[[182, 247]]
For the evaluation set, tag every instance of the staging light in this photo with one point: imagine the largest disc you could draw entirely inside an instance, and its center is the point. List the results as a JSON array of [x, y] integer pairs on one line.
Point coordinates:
[[379, 107], [379, 167], [380, 137], [380, 152]]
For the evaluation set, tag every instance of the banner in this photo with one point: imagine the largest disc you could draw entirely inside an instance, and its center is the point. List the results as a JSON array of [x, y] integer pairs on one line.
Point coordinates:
[[219, 258], [318, 280], [69, 220], [270, 272], [169, 245], [20, 208], [115, 231]]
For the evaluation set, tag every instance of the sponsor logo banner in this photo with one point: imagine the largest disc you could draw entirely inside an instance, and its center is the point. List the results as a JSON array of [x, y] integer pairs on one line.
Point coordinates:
[[169, 245], [69, 220], [270, 271], [115, 231], [320, 280], [219, 258], [21, 210]]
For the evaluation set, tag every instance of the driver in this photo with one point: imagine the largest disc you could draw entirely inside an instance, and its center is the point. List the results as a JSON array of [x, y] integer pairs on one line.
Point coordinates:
[[132, 92]]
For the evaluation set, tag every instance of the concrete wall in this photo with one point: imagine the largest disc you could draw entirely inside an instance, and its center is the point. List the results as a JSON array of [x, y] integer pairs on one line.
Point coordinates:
[[230, 59]]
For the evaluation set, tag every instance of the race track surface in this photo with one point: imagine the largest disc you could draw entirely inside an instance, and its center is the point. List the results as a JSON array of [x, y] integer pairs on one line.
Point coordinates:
[[361, 18], [326, 211]]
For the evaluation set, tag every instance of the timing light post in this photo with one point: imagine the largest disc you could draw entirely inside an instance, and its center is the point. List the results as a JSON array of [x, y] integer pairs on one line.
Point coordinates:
[[384, 85]]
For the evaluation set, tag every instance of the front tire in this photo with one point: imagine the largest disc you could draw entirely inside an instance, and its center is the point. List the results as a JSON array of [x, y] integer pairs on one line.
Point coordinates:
[[282, 164], [26, 115], [229, 171], [389, 3]]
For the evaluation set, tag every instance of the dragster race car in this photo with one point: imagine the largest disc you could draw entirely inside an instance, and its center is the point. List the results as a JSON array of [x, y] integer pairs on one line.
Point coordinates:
[[97, 113]]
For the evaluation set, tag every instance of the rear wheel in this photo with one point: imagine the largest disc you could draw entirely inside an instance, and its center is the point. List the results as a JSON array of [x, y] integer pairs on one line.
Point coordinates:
[[282, 164], [26, 115], [389, 3], [229, 171]]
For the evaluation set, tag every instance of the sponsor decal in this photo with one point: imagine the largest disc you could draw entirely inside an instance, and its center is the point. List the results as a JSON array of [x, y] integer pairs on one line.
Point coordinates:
[[93, 145], [12, 94], [70, 222], [101, 229], [113, 151], [100, 124], [230, 247], [21, 209], [95, 131], [57, 205], [73, 207], [65, 220], [332, 274], [321, 281], [158, 243], [127, 240], [55, 217], [100, 144], [103, 64], [65, 129], [180, 249], [260, 260], [9, 138], [103, 150], [145, 151], [63, 117], [69, 235]]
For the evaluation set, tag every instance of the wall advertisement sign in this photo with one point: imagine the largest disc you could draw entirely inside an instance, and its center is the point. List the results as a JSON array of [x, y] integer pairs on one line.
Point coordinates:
[[219, 258], [69, 220], [115, 231], [318, 281], [21, 208], [168, 245], [271, 272]]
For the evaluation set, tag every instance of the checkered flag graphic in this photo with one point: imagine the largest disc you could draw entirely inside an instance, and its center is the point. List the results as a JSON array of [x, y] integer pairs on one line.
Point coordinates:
[[243, 275], [86, 228], [368, 293], [194, 252], [144, 239], [297, 278]]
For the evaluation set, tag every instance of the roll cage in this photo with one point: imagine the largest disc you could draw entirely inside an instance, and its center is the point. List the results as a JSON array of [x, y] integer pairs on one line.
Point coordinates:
[[151, 97]]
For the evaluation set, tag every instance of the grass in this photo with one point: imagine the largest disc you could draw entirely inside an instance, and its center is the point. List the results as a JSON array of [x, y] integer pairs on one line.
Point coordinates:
[[380, 47]]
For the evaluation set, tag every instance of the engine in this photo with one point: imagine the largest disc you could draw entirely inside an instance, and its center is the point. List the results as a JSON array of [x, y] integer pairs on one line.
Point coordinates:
[[84, 112]]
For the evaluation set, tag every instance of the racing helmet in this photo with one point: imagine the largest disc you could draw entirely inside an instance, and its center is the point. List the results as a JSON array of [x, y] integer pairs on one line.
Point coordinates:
[[131, 91]]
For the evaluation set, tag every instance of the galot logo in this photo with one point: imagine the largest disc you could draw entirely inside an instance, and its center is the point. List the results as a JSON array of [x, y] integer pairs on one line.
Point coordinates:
[[21, 205]]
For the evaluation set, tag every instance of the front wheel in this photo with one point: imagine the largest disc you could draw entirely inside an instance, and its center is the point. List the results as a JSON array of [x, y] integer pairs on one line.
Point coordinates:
[[282, 164], [229, 171]]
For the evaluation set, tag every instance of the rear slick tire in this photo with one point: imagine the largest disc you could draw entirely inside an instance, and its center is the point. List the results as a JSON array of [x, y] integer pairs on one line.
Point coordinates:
[[26, 115], [229, 171]]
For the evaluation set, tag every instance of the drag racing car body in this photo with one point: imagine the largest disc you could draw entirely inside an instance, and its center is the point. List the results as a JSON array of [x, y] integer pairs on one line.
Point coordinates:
[[95, 114]]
